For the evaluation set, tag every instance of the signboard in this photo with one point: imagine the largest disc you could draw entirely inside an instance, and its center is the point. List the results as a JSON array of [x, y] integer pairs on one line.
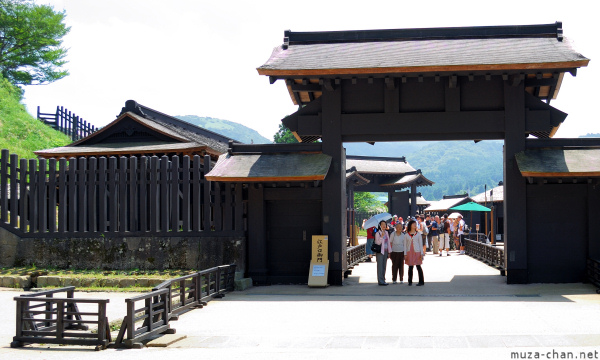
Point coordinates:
[[319, 263]]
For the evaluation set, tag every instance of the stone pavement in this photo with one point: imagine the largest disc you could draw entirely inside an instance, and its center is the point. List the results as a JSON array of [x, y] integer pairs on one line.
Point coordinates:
[[465, 310]]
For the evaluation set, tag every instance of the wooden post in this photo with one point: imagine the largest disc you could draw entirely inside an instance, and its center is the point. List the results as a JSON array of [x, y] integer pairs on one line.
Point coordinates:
[[143, 198], [123, 208], [102, 195], [334, 184], [207, 197], [82, 198], [174, 193], [196, 195], [113, 205], [52, 195], [4, 185], [164, 195], [154, 196], [133, 192], [23, 209], [14, 195], [62, 195], [217, 207], [42, 208], [33, 189], [186, 197], [72, 195], [515, 190]]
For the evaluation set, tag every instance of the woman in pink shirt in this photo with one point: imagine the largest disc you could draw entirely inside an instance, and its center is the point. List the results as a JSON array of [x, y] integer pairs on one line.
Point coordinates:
[[413, 248]]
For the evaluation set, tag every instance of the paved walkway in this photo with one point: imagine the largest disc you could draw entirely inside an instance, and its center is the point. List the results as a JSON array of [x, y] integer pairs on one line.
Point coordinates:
[[465, 310]]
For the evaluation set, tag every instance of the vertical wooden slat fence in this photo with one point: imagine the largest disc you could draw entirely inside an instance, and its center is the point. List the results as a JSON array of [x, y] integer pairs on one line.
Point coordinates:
[[67, 122], [119, 196]]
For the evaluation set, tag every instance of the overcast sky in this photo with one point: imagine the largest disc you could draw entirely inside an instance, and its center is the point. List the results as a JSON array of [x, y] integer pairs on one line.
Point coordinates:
[[196, 57]]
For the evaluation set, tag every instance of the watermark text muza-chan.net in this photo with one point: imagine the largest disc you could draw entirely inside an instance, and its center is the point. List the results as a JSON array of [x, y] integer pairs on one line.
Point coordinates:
[[554, 354]]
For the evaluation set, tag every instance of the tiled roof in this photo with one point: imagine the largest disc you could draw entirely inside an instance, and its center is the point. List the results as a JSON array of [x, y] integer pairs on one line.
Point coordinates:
[[270, 167], [443, 205], [374, 165], [418, 55], [407, 180], [493, 195], [559, 162]]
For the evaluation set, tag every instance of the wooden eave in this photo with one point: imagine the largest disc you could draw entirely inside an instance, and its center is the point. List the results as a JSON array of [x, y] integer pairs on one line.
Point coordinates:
[[423, 69], [69, 152]]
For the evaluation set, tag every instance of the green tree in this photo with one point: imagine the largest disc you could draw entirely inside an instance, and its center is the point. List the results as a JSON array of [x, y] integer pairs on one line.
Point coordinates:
[[31, 51], [284, 136], [365, 202]]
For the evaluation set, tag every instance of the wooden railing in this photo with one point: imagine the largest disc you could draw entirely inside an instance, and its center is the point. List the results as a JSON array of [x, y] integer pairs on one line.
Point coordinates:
[[66, 122], [126, 196], [593, 273], [355, 254], [169, 300], [43, 318], [489, 254]]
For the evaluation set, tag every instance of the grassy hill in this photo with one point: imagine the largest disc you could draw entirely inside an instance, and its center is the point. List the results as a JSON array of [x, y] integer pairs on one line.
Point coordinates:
[[228, 128], [21, 133]]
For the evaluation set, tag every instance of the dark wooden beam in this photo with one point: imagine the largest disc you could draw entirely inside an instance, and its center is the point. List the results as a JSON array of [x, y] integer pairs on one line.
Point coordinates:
[[424, 123], [306, 87]]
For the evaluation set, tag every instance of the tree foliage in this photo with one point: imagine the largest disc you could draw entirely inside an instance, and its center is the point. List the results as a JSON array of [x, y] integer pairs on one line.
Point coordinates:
[[284, 136], [366, 202], [31, 51]]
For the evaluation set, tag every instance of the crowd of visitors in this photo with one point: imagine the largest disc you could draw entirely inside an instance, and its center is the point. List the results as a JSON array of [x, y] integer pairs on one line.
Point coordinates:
[[406, 243]]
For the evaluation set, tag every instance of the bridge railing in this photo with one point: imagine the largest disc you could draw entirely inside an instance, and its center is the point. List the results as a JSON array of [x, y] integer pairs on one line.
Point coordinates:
[[489, 254], [44, 319], [167, 301], [593, 272]]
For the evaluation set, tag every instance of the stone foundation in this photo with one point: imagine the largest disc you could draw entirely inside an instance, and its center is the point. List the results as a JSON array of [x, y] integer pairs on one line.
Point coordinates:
[[122, 253]]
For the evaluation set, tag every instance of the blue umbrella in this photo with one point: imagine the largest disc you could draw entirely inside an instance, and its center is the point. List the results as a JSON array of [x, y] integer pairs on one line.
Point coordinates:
[[375, 219]]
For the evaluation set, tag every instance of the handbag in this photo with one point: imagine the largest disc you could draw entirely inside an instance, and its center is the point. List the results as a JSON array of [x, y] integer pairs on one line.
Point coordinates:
[[376, 248]]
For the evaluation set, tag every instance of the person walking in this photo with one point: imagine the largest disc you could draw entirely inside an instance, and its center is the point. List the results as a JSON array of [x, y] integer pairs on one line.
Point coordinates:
[[460, 230], [397, 254], [413, 245], [445, 235], [382, 238], [428, 224], [370, 238], [434, 232]]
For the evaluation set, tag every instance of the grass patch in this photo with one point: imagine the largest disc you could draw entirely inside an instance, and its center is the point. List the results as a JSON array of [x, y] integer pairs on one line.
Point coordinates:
[[21, 133], [94, 273]]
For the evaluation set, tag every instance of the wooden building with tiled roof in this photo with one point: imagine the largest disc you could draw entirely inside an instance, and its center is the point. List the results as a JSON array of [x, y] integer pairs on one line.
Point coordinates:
[[142, 131], [488, 82]]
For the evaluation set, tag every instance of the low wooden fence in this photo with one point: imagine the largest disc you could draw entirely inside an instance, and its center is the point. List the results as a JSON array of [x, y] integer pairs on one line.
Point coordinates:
[[593, 273], [67, 122], [489, 254], [169, 300], [355, 254], [43, 318], [126, 196]]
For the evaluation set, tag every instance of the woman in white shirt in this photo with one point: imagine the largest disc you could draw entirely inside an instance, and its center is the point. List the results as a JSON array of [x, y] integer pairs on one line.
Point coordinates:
[[397, 254]]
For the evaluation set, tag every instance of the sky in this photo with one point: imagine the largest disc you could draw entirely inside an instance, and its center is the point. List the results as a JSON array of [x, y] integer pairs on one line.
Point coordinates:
[[197, 57]]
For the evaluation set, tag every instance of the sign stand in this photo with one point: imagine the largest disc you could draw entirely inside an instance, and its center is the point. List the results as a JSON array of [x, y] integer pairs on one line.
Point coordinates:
[[319, 264]]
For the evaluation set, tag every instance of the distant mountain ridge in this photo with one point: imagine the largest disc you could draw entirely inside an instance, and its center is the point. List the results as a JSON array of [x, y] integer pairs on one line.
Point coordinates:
[[228, 128], [597, 135], [456, 167]]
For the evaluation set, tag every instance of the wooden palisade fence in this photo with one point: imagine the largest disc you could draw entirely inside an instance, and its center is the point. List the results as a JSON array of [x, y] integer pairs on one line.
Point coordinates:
[[126, 196], [66, 122]]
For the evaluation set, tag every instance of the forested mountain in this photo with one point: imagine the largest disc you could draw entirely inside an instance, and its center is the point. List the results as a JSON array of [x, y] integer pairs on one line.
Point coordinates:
[[455, 166], [228, 128]]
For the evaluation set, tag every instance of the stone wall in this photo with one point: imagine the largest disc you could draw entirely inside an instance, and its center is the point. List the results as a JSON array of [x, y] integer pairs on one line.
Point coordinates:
[[144, 253]]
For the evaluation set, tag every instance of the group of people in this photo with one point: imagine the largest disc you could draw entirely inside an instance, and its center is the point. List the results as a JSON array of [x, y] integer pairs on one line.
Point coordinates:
[[407, 243]]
